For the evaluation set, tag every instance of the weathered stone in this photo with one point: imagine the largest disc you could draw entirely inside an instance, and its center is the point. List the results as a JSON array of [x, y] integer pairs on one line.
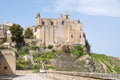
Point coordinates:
[[7, 62], [59, 31]]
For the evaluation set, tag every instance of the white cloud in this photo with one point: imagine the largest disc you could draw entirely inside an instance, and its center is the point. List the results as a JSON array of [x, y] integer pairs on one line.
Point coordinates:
[[90, 7]]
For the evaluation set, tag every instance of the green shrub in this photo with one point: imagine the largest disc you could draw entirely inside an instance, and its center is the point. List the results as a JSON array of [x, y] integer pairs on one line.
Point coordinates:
[[53, 50], [43, 56], [50, 67], [34, 47], [37, 67], [3, 47], [24, 50], [50, 46], [23, 65], [77, 51], [117, 69]]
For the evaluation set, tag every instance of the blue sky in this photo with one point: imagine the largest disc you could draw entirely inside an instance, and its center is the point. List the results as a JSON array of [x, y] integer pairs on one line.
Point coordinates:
[[101, 18]]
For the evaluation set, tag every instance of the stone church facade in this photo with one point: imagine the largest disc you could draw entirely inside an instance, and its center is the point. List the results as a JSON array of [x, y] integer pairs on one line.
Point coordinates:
[[59, 31]]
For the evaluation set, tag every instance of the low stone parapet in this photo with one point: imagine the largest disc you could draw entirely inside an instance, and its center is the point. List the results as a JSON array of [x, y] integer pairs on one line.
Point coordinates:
[[82, 75], [67, 77], [24, 71]]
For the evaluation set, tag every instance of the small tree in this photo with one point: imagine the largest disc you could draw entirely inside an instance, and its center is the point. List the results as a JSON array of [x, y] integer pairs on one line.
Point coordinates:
[[17, 34], [28, 33]]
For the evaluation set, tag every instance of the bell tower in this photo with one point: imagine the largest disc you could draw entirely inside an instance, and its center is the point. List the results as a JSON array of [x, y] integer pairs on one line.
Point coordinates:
[[38, 19], [66, 15]]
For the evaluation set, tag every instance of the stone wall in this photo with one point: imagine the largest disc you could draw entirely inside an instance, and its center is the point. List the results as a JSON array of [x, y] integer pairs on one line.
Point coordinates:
[[24, 72], [7, 62], [67, 75], [31, 41]]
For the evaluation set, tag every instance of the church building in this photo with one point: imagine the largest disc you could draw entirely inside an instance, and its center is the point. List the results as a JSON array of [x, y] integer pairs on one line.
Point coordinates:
[[59, 31]]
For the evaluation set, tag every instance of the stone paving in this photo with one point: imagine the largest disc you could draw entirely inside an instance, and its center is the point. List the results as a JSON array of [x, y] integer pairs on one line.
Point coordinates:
[[34, 76]]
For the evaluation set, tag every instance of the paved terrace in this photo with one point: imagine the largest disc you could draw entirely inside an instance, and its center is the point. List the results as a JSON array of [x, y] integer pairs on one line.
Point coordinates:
[[61, 75]]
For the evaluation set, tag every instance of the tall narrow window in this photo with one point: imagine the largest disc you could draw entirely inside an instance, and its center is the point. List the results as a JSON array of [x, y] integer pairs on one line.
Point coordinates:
[[67, 16], [43, 23], [52, 23], [71, 36], [62, 22], [80, 36]]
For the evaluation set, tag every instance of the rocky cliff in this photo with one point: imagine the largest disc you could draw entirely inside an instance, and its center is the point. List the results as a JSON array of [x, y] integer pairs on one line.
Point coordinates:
[[86, 63]]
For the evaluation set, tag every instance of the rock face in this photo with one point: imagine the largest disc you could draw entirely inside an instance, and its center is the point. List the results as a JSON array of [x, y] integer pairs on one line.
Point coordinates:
[[63, 61], [67, 61]]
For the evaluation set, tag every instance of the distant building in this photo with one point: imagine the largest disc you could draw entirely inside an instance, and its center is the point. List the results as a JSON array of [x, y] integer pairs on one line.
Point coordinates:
[[5, 35], [33, 40], [32, 28], [59, 31]]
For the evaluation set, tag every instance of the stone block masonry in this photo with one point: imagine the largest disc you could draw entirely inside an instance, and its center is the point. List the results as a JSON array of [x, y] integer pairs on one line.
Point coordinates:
[[59, 31], [69, 75], [7, 63]]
